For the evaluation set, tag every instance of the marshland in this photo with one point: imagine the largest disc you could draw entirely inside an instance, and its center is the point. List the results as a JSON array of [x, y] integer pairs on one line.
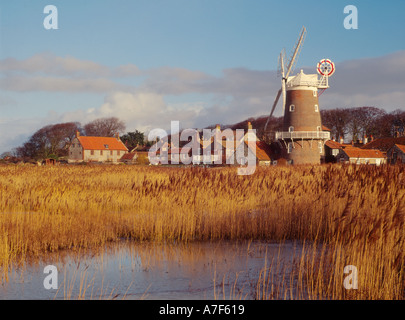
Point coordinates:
[[331, 215]]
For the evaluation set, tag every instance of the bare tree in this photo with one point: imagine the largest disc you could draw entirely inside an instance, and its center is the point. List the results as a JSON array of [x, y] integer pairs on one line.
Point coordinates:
[[337, 120], [391, 124], [398, 123], [366, 118], [104, 127], [51, 140]]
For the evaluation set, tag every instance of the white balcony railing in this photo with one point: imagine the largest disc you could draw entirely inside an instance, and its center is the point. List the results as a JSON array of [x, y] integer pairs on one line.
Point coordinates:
[[303, 135], [321, 83]]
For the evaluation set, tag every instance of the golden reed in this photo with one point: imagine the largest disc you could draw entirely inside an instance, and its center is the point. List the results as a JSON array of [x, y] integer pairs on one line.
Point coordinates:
[[355, 213]]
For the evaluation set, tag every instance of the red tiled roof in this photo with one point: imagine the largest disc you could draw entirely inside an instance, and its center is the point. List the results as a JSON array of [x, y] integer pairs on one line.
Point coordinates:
[[384, 144], [325, 128], [101, 143], [363, 153], [333, 144], [128, 156], [262, 151], [401, 147]]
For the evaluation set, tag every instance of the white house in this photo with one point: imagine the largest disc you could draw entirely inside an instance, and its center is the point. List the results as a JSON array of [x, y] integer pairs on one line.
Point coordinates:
[[97, 149], [361, 156]]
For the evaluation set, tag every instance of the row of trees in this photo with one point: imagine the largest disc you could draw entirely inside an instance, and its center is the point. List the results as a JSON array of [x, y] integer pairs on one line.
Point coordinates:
[[355, 123], [52, 141], [49, 141], [348, 123]]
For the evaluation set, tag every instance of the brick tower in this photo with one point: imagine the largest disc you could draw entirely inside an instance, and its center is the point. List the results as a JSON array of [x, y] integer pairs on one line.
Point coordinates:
[[302, 136]]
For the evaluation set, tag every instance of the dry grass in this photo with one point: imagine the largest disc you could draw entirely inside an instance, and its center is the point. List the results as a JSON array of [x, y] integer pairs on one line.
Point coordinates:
[[355, 213]]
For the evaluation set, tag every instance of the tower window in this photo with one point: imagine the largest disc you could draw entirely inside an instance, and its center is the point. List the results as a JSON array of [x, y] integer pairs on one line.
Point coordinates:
[[292, 108], [291, 129], [289, 147], [315, 93], [316, 108], [320, 146]]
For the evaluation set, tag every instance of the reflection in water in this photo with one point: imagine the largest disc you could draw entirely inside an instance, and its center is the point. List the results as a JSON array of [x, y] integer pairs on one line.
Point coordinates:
[[131, 270]]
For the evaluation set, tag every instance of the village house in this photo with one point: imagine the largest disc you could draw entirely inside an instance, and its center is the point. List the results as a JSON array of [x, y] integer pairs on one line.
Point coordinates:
[[332, 149], [260, 150], [361, 156], [396, 154], [262, 153], [384, 144], [138, 155], [168, 154], [197, 151], [129, 158], [159, 153], [182, 156], [207, 152], [96, 149]]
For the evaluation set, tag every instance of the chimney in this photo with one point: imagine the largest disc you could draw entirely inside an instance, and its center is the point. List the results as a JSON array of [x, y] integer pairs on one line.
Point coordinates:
[[341, 140], [365, 139], [77, 134], [218, 127], [371, 137], [117, 135], [249, 125]]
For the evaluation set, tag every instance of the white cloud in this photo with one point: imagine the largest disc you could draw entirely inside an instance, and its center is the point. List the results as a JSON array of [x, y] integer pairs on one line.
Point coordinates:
[[46, 63], [49, 73], [58, 84], [141, 110], [237, 94], [49, 64], [378, 82], [145, 111]]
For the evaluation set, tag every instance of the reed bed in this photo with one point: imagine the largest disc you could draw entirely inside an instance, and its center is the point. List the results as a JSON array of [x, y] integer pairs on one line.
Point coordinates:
[[355, 214]]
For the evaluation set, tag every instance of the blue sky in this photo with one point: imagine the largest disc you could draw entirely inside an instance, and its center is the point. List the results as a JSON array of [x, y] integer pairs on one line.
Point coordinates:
[[197, 61], [207, 35]]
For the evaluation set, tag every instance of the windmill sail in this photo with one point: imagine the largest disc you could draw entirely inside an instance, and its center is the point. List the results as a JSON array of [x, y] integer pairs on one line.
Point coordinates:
[[272, 109], [296, 51], [284, 75]]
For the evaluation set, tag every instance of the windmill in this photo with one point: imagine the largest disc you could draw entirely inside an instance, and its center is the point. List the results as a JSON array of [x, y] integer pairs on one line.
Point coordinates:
[[302, 138], [285, 73]]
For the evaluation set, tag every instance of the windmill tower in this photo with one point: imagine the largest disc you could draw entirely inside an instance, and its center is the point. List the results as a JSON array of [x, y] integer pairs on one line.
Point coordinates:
[[302, 137]]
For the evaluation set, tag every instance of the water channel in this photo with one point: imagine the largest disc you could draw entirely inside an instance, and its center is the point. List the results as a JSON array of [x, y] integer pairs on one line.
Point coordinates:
[[132, 270]]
